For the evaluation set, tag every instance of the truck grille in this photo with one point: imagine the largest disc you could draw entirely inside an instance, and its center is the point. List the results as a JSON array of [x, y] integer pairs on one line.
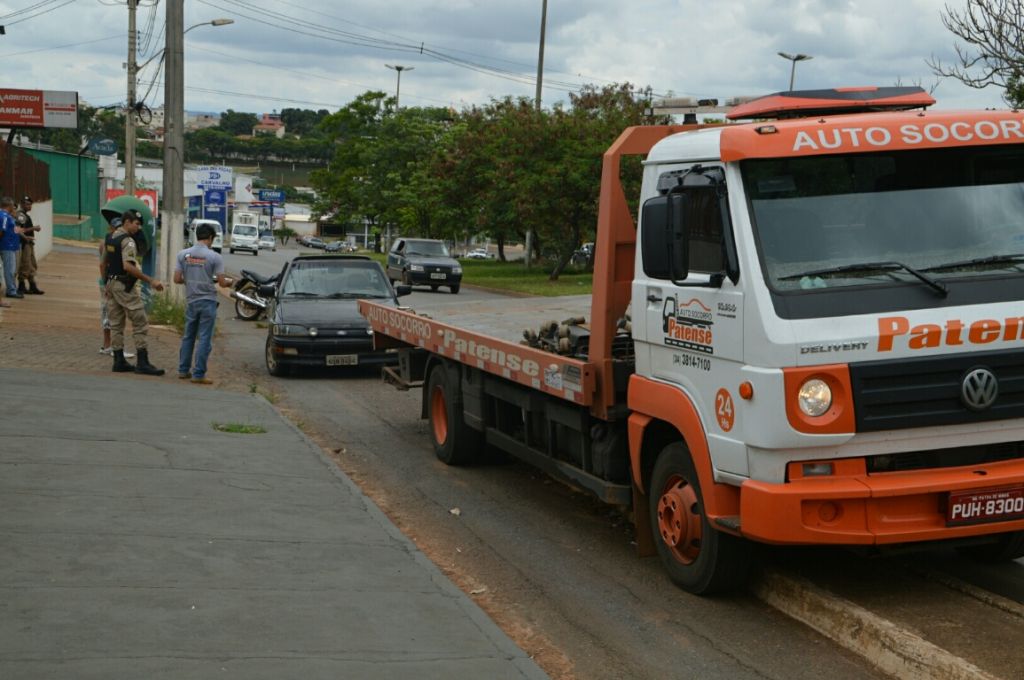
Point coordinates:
[[905, 393], [945, 458]]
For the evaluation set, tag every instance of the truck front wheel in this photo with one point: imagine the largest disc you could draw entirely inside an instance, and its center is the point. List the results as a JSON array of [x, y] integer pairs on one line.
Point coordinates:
[[697, 557], [454, 442]]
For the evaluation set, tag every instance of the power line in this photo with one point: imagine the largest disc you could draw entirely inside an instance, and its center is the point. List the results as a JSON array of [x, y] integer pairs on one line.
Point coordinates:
[[39, 13], [60, 47]]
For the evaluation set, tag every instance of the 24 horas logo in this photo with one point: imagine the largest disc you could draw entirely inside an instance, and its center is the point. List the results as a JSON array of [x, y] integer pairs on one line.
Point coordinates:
[[688, 325]]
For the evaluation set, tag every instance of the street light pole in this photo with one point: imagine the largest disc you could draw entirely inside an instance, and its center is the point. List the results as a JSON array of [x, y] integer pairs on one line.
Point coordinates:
[[794, 58], [129, 115], [537, 100], [172, 214], [398, 87]]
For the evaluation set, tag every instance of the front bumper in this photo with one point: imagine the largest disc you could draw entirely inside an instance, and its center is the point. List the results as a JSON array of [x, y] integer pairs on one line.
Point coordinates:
[[424, 279], [300, 351], [871, 509]]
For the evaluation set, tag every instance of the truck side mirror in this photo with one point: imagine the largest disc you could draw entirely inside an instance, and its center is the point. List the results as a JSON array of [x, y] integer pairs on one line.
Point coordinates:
[[665, 243]]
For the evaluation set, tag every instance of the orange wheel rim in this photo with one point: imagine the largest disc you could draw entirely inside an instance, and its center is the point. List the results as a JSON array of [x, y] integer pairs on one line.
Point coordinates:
[[439, 415], [679, 519]]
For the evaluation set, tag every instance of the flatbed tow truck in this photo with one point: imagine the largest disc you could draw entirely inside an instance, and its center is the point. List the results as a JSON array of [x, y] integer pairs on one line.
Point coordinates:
[[813, 334]]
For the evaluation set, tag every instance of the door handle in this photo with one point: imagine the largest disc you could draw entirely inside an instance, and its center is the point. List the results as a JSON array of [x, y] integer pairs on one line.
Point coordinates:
[[652, 297]]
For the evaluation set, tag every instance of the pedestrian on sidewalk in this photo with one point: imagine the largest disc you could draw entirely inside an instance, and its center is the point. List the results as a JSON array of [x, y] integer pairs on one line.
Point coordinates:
[[200, 269], [112, 225], [10, 244], [124, 300], [27, 266]]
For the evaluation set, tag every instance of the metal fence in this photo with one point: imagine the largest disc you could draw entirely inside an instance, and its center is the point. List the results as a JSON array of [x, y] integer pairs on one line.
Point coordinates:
[[23, 175]]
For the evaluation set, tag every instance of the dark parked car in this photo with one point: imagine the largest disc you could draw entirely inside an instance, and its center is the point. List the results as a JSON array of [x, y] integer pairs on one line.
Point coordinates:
[[314, 242], [423, 262], [339, 247], [314, 316]]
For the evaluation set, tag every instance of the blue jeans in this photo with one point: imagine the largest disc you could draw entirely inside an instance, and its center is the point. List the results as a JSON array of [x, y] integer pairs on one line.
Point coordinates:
[[10, 261], [199, 319]]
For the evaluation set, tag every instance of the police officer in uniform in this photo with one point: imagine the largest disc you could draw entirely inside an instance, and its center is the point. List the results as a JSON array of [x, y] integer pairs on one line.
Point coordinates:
[[27, 259], [122, 273]]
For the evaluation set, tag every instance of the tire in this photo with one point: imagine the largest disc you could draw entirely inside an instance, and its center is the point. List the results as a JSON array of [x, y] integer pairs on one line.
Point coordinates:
[[1005, 548], [275, 366], [256, 253], [231, 250], [698, 558], [434, 287], [455, 289], [405, 279], [244, 310], [455, 443]]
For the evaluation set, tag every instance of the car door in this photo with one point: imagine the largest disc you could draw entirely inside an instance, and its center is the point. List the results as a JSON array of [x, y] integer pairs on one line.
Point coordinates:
[[396, 260]]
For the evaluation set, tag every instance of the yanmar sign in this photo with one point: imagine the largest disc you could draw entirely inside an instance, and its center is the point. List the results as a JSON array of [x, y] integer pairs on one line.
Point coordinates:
[[38, 108]]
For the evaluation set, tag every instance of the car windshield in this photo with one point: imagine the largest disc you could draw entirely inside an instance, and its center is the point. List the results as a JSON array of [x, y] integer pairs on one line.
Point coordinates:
[[949, 212], [336, 279], [434, 248]]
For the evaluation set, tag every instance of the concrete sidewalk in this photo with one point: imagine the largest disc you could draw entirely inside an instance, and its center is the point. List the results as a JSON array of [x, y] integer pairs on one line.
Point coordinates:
[[139, 541]]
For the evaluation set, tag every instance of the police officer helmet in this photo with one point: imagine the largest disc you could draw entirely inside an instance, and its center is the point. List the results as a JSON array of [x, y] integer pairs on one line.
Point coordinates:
[[133, 215]]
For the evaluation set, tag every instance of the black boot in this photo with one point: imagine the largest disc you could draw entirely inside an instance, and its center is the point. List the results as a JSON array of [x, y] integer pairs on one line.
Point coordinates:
[[33, 288], [143, 366], [21, 287], [120, 364]]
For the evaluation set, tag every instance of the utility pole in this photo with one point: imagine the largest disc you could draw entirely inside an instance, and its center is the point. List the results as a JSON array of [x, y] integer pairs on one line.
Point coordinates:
[[540, 84], [129, 115], [172, 216]]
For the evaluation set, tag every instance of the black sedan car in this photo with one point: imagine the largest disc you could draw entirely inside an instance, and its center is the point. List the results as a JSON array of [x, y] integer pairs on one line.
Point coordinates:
[[423, 262], [314, 315]]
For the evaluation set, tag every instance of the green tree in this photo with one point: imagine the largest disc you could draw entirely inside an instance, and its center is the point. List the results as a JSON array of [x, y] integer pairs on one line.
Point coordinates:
[[237, 123]]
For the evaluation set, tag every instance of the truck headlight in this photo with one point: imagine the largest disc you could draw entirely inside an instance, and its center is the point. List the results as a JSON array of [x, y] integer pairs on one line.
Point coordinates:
[[287, 329], [415, 267], [814, 397]]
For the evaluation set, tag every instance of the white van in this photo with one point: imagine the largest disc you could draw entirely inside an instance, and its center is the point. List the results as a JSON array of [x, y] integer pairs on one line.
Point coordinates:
[[245, 234], [218, 239]]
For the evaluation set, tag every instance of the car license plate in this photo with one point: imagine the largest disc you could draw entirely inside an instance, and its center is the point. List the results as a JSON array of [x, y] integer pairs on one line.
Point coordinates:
[[438, 275], [987, 505], [342, 359]]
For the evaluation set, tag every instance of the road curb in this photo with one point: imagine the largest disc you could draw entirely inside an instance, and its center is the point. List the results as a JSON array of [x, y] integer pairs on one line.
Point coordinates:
[[891, 648]]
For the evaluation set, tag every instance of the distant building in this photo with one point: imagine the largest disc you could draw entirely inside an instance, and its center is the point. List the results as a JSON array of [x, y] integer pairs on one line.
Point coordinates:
[[200, 121], [270, 124]]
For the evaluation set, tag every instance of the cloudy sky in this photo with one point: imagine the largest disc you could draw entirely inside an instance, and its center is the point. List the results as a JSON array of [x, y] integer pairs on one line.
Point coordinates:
[[322, 54]]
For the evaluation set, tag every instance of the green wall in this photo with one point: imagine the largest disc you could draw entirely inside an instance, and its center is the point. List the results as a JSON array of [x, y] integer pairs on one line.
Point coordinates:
[[65, 178]]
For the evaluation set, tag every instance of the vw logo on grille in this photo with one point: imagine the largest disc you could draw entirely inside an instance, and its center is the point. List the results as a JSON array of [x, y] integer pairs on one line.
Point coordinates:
[[979, 389]]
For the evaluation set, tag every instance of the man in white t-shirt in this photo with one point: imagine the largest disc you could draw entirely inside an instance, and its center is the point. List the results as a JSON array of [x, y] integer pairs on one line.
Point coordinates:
[[201, 270]]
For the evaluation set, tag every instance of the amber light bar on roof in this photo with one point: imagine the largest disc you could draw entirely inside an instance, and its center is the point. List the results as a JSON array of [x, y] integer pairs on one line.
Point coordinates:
[[802, 103]]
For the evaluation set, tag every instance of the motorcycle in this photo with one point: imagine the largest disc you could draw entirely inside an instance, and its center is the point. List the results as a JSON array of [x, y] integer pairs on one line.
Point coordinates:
[[250, 305]]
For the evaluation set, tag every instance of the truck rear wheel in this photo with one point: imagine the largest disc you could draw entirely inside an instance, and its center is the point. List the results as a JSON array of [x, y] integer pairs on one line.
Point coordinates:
[[697, 557], [454, 442]]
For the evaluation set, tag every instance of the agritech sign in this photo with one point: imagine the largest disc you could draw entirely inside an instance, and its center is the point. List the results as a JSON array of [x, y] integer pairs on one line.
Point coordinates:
[[38, 108]]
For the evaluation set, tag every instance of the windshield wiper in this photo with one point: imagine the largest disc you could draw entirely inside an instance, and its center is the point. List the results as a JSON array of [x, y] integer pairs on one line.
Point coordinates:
[[866, 267], [338, 296], [991, 259], [302, 293]]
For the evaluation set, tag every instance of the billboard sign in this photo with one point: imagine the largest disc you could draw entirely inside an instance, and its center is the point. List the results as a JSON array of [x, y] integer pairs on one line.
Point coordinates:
[[147, 196], [271, 195], [214, 177], [102, 147], [215, 206], [38, 108]]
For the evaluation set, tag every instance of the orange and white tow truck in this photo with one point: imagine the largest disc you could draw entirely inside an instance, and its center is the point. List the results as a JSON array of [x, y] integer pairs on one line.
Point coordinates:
[[813, 334]]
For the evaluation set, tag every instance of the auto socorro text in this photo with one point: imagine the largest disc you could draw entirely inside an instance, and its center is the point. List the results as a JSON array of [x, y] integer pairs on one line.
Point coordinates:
[[910, 134]]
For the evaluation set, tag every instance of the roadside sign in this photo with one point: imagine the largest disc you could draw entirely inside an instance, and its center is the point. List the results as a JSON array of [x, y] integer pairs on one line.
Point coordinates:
[[214, 177], [215, 203], [271, 195], [147, 196], [101, 146], [38, 108]]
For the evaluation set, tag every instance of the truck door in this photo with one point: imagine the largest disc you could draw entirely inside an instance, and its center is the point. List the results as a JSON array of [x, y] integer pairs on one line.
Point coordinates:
[[693, 327]]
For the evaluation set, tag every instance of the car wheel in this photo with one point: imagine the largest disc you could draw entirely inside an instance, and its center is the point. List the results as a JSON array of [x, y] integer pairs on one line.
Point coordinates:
[[697, 557], [231, 250], [275, 366], [455, 443], [256, 253], [455, 289], [434, 287]]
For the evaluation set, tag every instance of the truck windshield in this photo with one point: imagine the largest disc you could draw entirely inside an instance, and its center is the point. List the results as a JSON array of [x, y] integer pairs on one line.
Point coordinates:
[[949, 212], [244, 230]]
